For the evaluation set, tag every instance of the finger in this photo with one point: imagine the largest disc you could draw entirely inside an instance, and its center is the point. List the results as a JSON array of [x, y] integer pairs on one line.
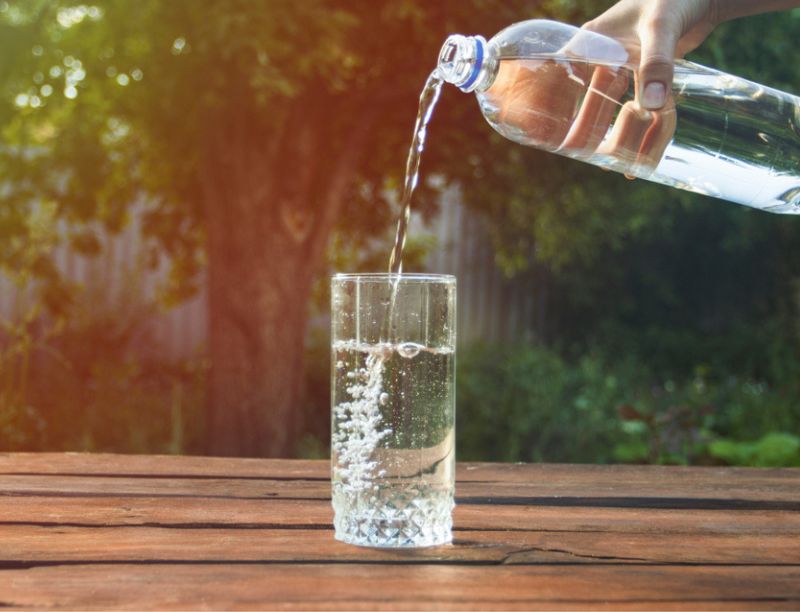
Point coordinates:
[[659, 37], [625, 140], [597, 110], [658, 136]]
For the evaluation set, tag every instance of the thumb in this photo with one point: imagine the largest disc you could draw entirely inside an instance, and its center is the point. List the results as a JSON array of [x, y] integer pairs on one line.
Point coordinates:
[[656, 67]]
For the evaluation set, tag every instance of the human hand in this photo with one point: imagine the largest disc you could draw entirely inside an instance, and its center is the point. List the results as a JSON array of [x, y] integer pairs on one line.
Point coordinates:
[[580, 110], [655, 32], [583, 109]]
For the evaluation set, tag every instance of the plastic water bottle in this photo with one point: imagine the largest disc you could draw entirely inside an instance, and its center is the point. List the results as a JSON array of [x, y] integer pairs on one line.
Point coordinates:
[[571, 91]]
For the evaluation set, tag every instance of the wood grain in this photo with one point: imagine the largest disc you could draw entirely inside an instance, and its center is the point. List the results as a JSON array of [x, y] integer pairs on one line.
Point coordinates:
[[24, 543], [349, 585], [132, 532], [189, 512]]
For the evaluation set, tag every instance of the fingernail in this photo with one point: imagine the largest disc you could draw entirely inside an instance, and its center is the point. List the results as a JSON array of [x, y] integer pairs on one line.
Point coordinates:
[[654, 96]]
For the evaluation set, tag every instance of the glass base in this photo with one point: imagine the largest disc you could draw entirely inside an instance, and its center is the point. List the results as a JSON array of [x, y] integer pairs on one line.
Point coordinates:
[[389, 518]]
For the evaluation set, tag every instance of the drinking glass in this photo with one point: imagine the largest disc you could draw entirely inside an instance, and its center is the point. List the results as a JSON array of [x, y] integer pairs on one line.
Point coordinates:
[[393, 408]]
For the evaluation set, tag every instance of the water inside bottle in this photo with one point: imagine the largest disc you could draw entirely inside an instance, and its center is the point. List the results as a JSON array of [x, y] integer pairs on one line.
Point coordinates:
[[718, 135]]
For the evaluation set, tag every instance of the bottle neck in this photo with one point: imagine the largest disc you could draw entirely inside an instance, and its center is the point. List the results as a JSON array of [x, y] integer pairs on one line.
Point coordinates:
[[467, 62]]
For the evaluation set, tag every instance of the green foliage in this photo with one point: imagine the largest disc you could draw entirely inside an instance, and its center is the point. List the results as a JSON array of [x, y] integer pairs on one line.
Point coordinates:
[[532, 404], [772, 450], [528, 404], [101, 103]]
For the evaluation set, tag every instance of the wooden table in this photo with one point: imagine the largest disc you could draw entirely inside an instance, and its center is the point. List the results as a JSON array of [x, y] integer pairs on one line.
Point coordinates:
[[110, 531]]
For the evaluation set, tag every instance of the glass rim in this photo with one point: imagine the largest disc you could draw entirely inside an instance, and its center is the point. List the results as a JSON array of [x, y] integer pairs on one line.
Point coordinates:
[[387, 276]]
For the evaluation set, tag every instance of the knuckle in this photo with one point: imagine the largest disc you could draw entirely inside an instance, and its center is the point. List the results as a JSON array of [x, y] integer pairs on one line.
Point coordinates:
[[657, 23], [657, 62]]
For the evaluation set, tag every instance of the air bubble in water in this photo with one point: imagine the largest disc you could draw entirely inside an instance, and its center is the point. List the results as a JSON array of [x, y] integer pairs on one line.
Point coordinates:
[[384, 399], [409, 350]]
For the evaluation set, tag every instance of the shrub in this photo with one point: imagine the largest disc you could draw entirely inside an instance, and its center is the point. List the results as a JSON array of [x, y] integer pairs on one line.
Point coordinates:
[[528, 403]]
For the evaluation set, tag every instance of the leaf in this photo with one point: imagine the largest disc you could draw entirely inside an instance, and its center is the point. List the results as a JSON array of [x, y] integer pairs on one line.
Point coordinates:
[[777, 449], [632, 452], [731, 452]]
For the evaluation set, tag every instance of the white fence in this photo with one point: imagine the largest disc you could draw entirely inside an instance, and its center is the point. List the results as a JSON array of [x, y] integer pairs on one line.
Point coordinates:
[[490, 307]]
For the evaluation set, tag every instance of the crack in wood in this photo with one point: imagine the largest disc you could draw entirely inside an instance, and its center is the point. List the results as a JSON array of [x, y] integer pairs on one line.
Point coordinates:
[[270, 495], [641, 503], [659, 503], [159, 525], [265, 526], [25, 565], [170, 476], [509, 557]]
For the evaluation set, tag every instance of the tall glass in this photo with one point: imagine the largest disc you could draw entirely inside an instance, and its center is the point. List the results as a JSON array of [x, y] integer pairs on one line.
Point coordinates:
[[393, 408]]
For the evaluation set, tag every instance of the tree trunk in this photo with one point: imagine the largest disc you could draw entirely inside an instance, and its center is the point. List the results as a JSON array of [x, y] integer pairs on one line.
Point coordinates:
[[258, 294], [270, 204]]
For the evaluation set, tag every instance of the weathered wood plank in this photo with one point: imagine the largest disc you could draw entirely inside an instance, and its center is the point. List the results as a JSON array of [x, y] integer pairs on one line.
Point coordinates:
[[339, 586], [607, 478], [188, 512], [731, 493], [165, 487], [613, 476], [112, 531], [158, 465], [37, 544]]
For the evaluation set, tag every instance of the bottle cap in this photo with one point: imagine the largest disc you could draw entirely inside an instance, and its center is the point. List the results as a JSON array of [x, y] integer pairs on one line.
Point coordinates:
[[462, 61]]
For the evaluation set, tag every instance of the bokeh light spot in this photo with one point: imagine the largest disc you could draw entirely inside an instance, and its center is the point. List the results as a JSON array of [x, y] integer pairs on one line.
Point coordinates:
[[69, 16], [178, 45]]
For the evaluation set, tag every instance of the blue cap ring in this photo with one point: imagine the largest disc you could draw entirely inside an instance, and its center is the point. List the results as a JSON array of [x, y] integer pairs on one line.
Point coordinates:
[[476, 68]]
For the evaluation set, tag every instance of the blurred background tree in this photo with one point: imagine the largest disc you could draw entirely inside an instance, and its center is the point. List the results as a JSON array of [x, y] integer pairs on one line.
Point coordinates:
[[258, 129]]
